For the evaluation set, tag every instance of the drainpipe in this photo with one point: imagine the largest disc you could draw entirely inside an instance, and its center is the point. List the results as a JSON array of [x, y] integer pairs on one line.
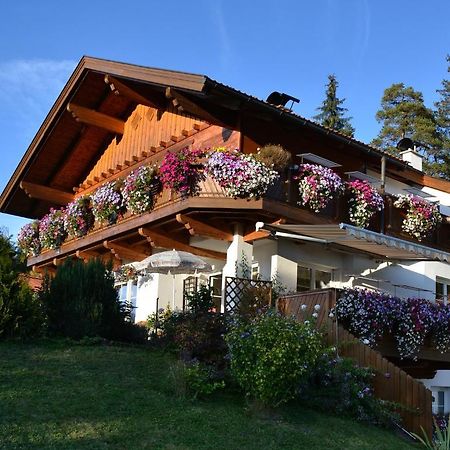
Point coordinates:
[[383, 191]]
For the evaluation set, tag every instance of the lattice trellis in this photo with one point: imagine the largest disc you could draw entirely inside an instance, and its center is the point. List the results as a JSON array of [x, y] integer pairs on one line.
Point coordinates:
[[245, 293]]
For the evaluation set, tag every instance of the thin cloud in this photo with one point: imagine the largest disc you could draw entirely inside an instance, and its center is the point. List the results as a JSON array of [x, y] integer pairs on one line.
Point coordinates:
[[29, 87], [222, 32]]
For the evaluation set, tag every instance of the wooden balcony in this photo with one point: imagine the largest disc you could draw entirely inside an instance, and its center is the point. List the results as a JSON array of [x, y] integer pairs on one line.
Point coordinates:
[[213, 208]]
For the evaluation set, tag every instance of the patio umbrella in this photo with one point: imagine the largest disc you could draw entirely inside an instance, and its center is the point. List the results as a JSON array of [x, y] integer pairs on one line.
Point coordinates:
[[173, 262]]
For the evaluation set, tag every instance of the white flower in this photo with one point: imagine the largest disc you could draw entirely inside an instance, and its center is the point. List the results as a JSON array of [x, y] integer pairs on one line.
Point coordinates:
[[306, 322], [316, 307], [331, 315], [315, 315], [303, 307], [366, 341]]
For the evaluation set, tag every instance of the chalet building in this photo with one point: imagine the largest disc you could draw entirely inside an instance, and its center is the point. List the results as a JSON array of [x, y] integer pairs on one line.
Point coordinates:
[[111, 118]]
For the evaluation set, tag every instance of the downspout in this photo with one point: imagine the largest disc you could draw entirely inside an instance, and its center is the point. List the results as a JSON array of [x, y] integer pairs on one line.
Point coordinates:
[[383, 191]]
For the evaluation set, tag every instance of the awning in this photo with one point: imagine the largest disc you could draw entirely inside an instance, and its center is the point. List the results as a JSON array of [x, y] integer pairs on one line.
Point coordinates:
[[358, 239]]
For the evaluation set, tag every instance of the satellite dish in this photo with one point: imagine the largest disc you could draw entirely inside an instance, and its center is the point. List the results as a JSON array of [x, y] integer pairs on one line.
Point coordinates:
[[280, 99], [405, 144]]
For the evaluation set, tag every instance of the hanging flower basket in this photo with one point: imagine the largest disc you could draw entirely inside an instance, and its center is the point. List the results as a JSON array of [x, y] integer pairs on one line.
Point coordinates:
[[79, 219], [373, 316], [28, 239], [181, 172], [242, 176], [422, 217], [52, 232], [364, 202], [107, 203], [317, 185], [140, 188]]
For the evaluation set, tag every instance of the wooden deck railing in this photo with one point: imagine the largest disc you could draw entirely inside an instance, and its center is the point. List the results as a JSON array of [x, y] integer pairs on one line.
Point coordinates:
[[390, 382]]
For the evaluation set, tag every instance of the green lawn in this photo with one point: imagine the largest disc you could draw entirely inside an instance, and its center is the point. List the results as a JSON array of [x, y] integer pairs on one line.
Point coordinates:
[[56, 395]]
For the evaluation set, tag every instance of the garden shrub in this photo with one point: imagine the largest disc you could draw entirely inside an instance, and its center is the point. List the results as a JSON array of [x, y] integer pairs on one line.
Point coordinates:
[[201, 337], [271, 354], [193, 379], [81, 300], [200, 301], [339, 386], [21, 314]]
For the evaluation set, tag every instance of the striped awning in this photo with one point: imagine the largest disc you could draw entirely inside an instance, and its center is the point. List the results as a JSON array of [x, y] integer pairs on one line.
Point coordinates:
[[359, 239]]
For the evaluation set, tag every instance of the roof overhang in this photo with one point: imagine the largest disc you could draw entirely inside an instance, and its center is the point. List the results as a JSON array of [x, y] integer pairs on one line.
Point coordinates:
[[355, 239]]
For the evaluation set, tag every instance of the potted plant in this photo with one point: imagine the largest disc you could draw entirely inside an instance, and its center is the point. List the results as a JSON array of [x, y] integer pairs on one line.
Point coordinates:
[[364, 202], [28, 239], [317, 185], [52, 232], [242, 176], [107, 203], [79, 218], [180, 171], [422, 217], [140, 188], [275, 157]]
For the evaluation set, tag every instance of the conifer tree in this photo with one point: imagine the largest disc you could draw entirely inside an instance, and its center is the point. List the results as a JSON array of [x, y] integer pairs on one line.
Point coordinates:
[[443, 123], [404, 114], [332, 113]]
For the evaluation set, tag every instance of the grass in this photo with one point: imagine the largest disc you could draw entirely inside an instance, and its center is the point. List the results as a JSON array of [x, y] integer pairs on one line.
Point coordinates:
[[58, 395]]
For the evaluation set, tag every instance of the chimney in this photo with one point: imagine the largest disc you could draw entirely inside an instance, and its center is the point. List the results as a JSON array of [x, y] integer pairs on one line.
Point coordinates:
[[413, 158]]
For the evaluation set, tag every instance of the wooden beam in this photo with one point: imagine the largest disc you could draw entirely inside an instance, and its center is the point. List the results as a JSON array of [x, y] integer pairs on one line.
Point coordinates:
[[183, 104], [46, 193], [256, 235], [96, 119], [158, 240], [86, 255], [118, 88], [122, 252], [196, 227]]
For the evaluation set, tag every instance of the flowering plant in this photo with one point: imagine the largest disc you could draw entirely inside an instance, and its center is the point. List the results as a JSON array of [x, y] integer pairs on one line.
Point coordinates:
[[140, 188], [28, 239], [179, 171], [241, 175], [107, 203], [125, 273], [372, 315], [317, 186], [52, 232], [78, 217], [422, 217], [364, 202]]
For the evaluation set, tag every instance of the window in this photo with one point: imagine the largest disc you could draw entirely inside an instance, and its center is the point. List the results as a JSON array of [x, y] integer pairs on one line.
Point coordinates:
[[127, 296], [439, 404], [255, 271], [442, 289], [309, 279], [215, 281]]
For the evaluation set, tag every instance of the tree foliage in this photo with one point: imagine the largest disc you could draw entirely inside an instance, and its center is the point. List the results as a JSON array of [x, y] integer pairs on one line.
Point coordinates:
[[20, 312], [443, 122], [331, 112], [81, 300], [404, 114]]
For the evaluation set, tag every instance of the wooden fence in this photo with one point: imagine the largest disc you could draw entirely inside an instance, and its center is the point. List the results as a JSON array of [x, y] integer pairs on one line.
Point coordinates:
[[390, 382]]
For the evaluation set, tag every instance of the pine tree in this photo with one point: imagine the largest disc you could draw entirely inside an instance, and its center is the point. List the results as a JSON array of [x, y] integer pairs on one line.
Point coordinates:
[[443, 122], [332, 113], [404, 114]]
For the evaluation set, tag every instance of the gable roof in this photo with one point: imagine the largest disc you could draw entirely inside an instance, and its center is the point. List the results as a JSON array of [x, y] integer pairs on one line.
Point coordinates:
[[63, 150]]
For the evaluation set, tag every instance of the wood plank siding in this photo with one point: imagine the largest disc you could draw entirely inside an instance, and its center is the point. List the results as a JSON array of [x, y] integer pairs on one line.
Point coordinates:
[[148, 134]]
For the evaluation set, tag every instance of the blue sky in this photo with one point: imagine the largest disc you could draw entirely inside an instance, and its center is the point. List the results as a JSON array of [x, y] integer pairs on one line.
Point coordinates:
[[255, 46]]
